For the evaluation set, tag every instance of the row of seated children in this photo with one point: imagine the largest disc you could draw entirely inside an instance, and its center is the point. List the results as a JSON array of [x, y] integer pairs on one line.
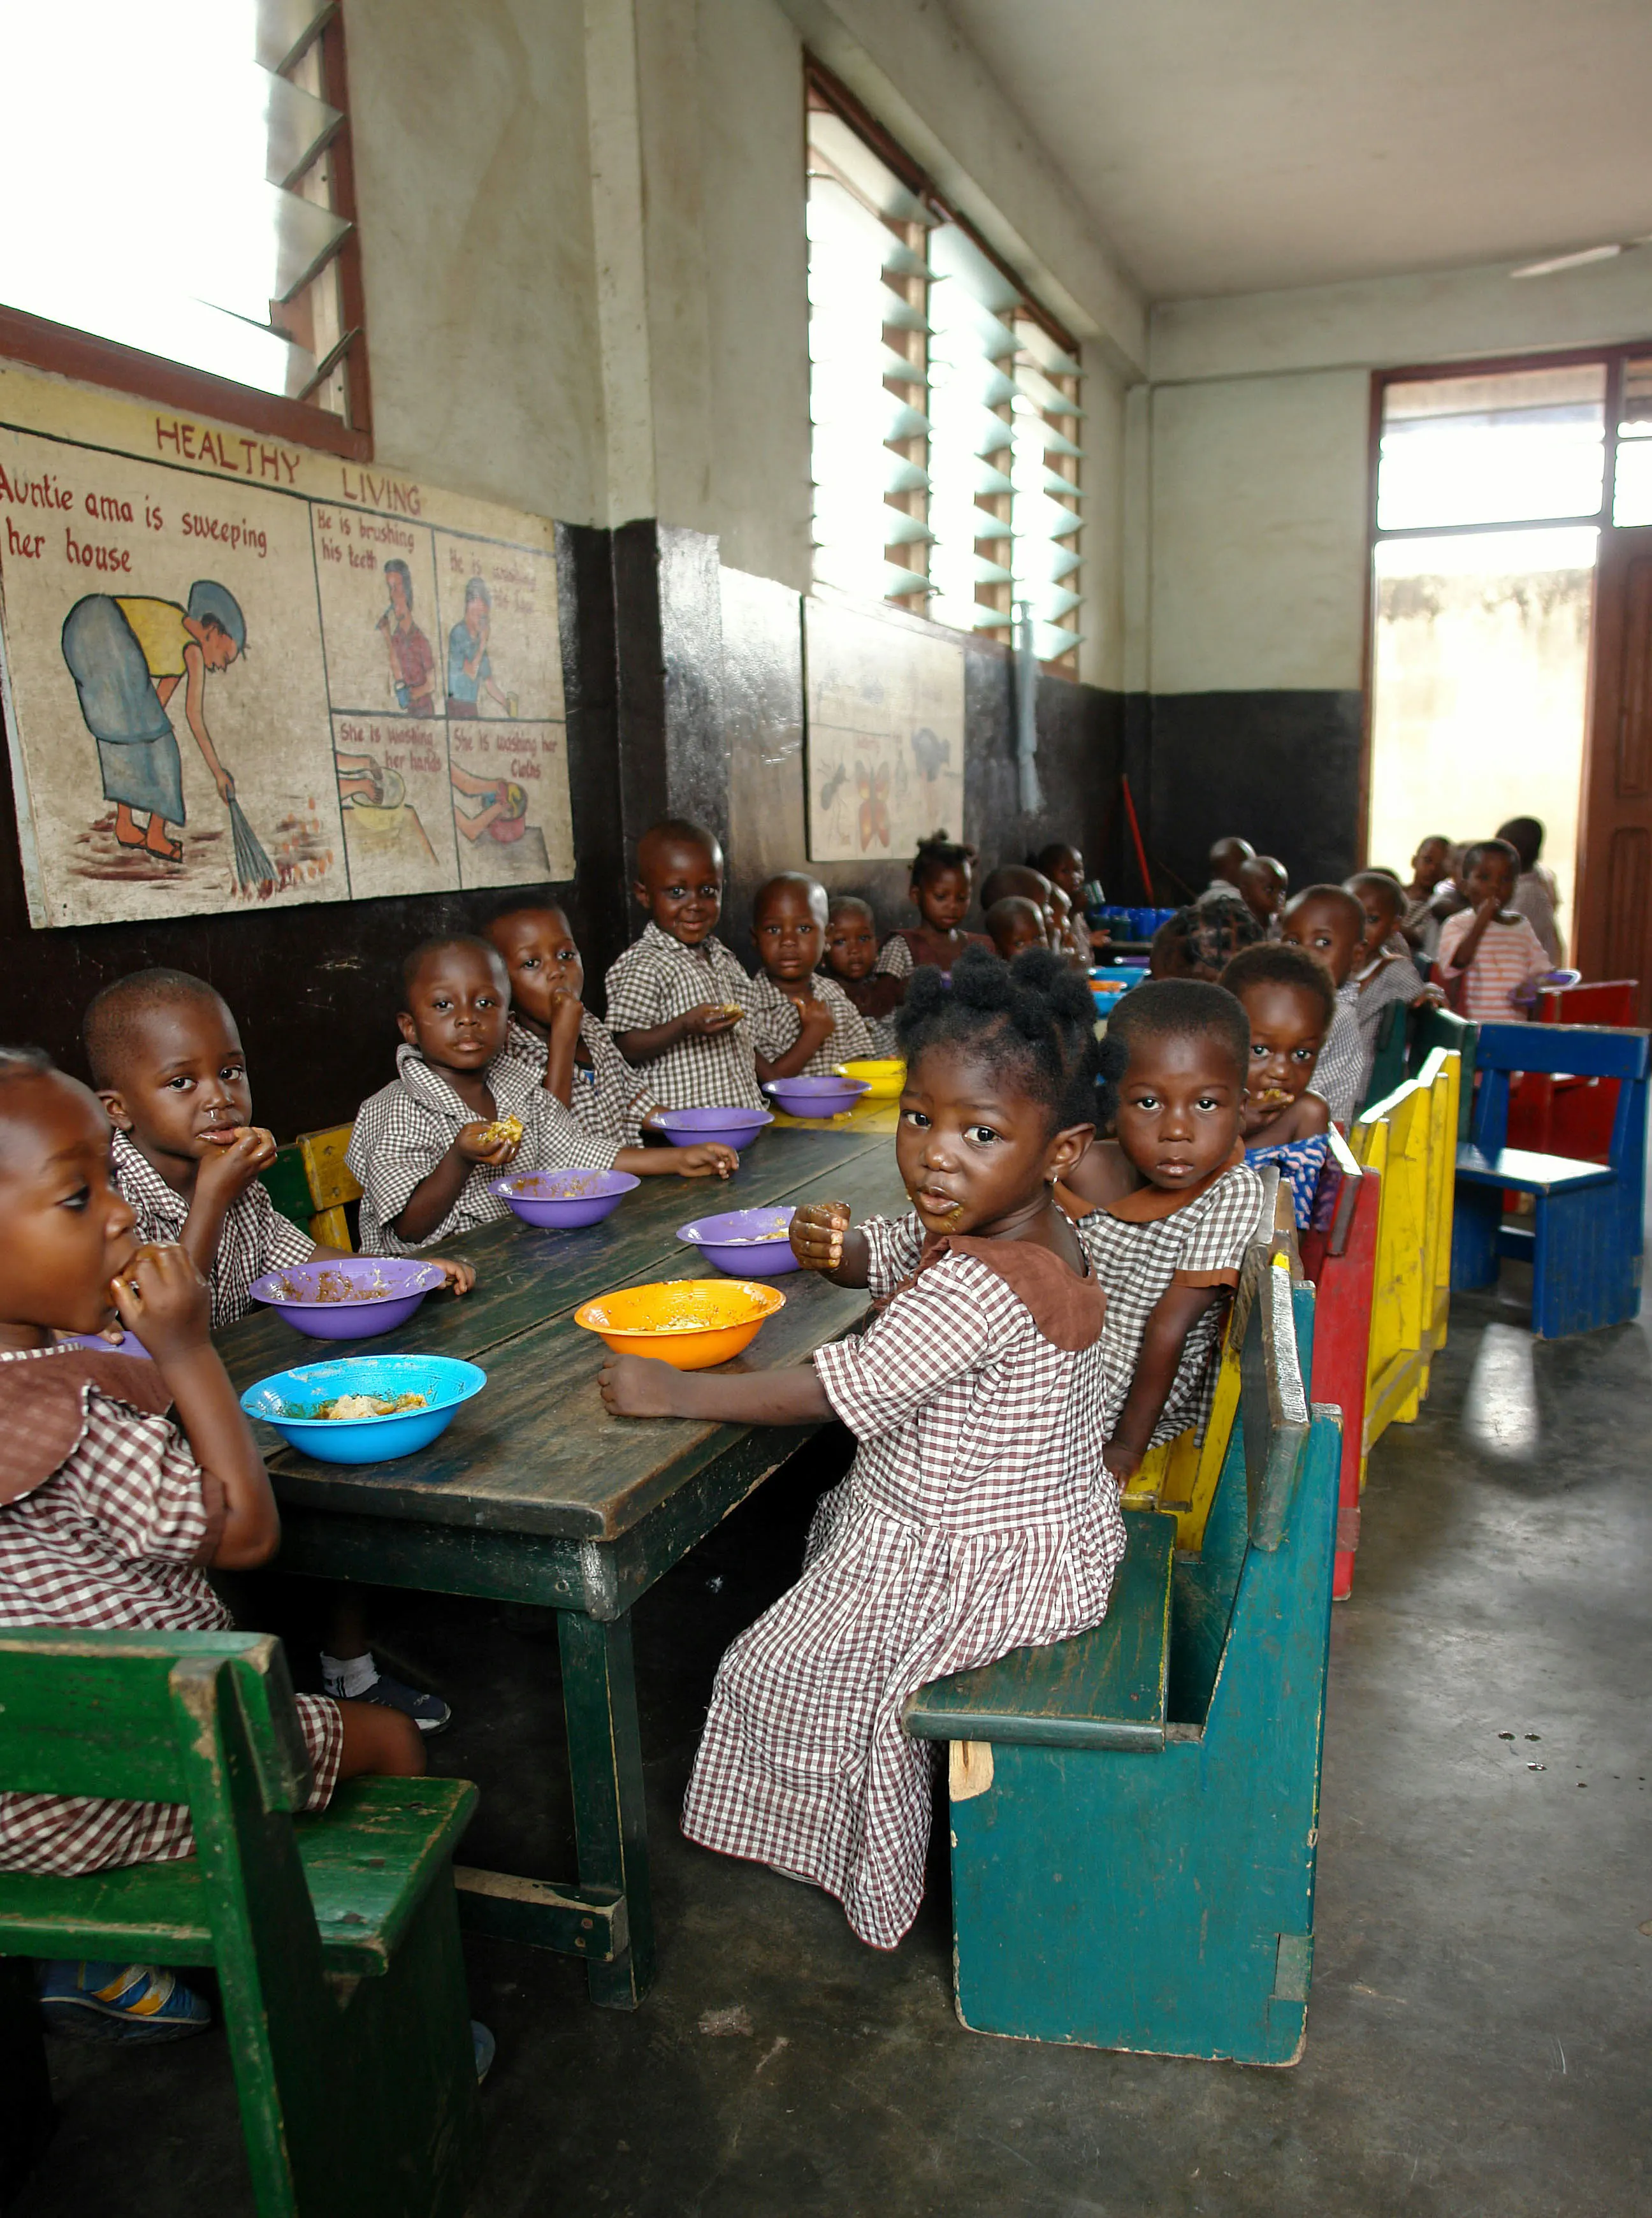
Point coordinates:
[[1049, 1312]]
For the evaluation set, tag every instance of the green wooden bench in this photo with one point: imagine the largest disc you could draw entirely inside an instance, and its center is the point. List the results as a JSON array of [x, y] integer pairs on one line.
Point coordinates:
[[1134, 1814], [335, 1937]]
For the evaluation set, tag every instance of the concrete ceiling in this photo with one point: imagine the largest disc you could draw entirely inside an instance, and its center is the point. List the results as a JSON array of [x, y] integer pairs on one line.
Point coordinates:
[[1237, 146]]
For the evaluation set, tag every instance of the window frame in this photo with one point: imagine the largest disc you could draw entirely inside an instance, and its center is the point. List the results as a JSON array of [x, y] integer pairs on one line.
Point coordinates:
[[1613, 358], [40, 344], [820, 82]]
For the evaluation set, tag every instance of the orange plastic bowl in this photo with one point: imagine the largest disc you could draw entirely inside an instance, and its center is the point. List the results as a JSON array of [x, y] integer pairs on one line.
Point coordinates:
[[692, 1323]]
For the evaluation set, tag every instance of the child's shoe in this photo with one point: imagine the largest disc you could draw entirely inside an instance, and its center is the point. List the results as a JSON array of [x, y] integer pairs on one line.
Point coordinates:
[[428, 1711], [94, 2001]]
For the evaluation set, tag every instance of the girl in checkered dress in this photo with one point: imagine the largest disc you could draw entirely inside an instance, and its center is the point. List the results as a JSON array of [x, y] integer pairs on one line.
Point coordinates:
[[1173, 1206], [111, 1509], [977, 1516], [1290, 1004], [942, 882]]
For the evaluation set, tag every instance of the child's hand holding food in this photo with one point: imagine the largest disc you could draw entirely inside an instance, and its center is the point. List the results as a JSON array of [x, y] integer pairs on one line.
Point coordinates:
[[461, 1277], [706, 1159], [162, 1297], [708, 1018], [496, 1142], [234, 1157], [817, 1232]]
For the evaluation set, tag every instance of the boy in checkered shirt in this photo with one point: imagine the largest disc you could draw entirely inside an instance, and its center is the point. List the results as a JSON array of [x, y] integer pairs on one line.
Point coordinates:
[[167, 1061], [677, 997], [803, 1024], [598, 1105], [111, 1510]]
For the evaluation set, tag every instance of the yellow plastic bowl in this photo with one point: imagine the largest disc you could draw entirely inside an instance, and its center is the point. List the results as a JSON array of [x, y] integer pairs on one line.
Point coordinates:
[[692, 1323], [884, 1075]]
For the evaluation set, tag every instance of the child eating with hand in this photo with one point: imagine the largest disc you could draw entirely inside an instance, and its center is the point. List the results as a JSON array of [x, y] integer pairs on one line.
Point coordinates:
[[940, 889], [1329, 922], [427, 1147], [977, 1517], [596, 1107], [167, 1063], [1290, 1002], [802, 1023], [1168, 1253], [852, 958], [677, 997], [1490, 949], [112, 1511]]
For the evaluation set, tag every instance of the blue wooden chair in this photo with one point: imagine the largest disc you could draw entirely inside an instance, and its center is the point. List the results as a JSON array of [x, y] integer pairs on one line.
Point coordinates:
[[1584, 1243], [1134, 1814]]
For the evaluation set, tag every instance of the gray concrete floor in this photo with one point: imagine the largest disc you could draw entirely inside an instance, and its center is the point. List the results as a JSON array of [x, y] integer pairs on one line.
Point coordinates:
[[1478, 2029]]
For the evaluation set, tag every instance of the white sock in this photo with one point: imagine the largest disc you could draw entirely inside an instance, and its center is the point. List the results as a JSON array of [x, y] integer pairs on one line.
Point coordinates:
[[347, 1678]]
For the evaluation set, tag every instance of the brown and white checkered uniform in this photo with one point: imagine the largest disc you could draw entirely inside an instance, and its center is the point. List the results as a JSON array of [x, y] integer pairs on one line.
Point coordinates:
[[1339, 1074], [256, 1237], [610, 1100], [112, 1539], [775, 1024], [896, 958], [658, 978], [1199, 1240], [403, 1132], [977, 1518]]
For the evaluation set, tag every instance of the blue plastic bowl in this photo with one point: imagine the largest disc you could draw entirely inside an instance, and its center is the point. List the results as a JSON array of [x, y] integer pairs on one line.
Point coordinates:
[[443, 1381], [735, 1128]]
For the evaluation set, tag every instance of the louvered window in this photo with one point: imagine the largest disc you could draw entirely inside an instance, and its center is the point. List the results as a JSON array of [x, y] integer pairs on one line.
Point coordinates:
[[944, 402], [188, 161]]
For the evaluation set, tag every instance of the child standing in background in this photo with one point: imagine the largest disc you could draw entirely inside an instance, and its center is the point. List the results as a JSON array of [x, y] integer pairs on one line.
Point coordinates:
[[1536, 891], [801, 1023], [1490, 949], [571, 1055], [1329, 922], [941, 883], [111, 1512], [1168, 1253], [1290, 1003], [977, 1516], [677, 997], [851, 960], [1430, 897]]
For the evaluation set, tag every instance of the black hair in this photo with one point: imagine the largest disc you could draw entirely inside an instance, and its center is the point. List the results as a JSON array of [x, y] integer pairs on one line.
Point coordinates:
[[24, 1063], [442, 941], [1506, 848], [1184, 1008], [1206, 933], [1009, 879], [1326, 892], [1009, 905], [1275, 962], [1051, 853], [1523, 833], [1034, 1015], [397, 567], [114, 1015], [837, 901], [1387, 880], [937, 853], [685, 832], [811, 886]]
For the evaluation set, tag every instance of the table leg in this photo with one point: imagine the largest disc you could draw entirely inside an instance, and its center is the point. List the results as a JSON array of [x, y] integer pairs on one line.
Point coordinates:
[[599, 1701]]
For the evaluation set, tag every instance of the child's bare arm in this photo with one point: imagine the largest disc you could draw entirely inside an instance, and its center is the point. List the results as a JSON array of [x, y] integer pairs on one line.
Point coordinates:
[[1468, 946], [814, 1028], [824, 1241], [647, 1042], [224, 1176], [162, 1297], [566, 1016], [641, 1386], [1178, 1309], [427, 1204]]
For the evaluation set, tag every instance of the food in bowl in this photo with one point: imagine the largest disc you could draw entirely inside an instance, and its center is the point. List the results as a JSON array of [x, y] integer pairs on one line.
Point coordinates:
[[689, 1322], [564, 1200], [332, 1286], [348, 1296], [345, 1409], [364, 1408]]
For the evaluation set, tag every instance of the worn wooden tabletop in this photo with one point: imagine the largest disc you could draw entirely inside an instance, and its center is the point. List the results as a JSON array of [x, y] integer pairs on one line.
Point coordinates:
[[535, 1453]]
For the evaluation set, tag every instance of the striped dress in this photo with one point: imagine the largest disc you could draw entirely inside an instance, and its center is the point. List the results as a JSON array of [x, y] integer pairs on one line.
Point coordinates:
[[977, 1517]]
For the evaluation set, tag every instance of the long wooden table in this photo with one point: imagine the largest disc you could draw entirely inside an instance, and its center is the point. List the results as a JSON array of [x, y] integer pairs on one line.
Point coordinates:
[[536, 1494]]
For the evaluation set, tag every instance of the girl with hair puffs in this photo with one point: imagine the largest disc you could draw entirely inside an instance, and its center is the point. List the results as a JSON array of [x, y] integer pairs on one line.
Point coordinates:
[[978, 1515]]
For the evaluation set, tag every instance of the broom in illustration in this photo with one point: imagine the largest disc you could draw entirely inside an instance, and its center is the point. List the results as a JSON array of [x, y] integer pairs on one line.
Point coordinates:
[[253, 871]]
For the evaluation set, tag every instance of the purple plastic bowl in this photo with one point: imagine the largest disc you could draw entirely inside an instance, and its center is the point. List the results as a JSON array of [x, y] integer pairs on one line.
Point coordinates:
[[406, 1279], [735, 1128], [741, 1242], [815, 1097], [130, 1344], [565, 1199]]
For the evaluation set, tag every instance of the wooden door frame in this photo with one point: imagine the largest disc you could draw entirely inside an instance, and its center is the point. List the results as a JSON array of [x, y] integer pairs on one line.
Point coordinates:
[[1613, 358]]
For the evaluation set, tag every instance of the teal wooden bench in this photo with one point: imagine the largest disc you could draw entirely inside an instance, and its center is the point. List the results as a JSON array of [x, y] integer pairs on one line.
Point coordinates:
[[1134, 1814], [335, 1937]]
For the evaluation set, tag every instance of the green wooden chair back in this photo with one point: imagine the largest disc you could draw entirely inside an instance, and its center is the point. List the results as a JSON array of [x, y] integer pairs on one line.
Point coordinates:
[[1432, 1028], [287, 1185], [105, 1713], [1388, 1064]]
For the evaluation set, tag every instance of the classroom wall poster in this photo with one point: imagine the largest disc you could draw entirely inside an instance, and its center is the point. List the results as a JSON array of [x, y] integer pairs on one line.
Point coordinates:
[[884, 742], [237, 673]]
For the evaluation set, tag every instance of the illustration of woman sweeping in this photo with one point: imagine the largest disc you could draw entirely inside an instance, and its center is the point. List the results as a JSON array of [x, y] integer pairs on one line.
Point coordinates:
[[126, 653]]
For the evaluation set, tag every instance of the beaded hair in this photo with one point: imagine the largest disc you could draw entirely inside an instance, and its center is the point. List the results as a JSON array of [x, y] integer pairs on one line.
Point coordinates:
[[1278, 963], [1206, 934], [938, 852], [1184, 1008], [1034, 1015]]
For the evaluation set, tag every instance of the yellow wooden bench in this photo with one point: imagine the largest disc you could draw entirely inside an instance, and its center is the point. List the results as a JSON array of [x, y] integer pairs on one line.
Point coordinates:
[[331, 1184]]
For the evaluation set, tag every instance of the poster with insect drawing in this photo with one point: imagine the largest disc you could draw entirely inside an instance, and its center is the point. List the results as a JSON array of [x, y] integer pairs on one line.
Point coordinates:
[[884, 751], [237, 673]]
